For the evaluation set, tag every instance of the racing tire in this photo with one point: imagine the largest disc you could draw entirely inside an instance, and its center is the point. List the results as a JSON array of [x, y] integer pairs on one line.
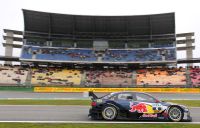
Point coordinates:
[[109, 113], [175, 114]]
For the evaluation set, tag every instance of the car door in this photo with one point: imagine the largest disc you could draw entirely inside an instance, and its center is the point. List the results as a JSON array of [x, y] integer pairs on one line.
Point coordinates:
[[123, 99], [146, 104]]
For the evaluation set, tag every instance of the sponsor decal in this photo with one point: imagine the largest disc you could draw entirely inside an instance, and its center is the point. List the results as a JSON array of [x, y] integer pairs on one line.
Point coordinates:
[[140, 107], [157, 107], [165, 114], [161, 117], [150, 108], [150, 115]]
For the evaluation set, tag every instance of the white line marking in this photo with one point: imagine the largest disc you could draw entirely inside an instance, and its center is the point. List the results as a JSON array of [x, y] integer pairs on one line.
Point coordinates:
[[181, 99], [78, 99], [99, 122], [60, 105], [44, 99], [194, 107], [85, 106]]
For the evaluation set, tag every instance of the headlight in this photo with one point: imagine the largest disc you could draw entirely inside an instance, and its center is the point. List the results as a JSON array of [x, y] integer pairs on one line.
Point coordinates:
[[186, 109]]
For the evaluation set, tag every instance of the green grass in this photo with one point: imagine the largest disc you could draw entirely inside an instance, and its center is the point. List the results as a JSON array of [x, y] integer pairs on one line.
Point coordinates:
[[16, 88], [44, 102], [189, 103], [32, 125]]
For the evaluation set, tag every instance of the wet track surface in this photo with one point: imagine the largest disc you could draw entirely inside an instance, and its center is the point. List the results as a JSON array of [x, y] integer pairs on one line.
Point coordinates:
[[32, 95], [55, 113]]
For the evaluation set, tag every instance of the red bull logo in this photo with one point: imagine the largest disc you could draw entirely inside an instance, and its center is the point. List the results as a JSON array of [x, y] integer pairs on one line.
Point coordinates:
[[140, 108]]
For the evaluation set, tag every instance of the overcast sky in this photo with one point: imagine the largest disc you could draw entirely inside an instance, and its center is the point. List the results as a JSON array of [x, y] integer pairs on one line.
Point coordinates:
[[187, 13]]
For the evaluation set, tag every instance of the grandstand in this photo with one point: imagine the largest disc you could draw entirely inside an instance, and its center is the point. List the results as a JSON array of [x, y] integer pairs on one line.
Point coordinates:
[[195, 76], [59, 76], [13, 75], [114, 78], [55, 76], [162, 76], [88, 55], [99, 51]]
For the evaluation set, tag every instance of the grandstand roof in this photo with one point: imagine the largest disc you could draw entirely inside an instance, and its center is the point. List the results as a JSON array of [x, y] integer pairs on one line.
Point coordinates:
[[65, 24]]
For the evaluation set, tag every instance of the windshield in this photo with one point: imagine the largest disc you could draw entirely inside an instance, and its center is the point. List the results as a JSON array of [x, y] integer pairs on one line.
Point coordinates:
[[145, 98], [108, 95]]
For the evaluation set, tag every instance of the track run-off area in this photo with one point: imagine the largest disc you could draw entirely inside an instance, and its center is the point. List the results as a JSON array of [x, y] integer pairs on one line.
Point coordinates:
[[72, 113], [63, 114], [34, 95]]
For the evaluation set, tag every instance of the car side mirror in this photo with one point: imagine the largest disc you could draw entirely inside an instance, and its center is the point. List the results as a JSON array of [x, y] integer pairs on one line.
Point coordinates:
[[157, 101]]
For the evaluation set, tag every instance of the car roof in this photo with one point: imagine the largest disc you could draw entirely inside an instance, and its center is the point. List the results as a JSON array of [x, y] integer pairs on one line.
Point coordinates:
[[128, 92]]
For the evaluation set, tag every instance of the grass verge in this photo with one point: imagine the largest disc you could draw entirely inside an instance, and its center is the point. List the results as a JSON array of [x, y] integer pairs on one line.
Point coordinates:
[[33, 125], [189, 103], [16, 88], [44, 102]]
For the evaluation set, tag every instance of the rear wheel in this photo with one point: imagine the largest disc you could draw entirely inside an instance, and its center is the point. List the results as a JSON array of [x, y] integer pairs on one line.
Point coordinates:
[[109, 113], [175, 114]]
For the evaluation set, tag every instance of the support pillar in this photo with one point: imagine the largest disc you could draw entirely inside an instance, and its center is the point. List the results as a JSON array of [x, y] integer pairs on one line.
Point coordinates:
[[189, 53], [9, 48]]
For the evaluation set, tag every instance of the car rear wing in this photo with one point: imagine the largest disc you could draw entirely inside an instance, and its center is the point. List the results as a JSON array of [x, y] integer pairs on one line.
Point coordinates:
[[91, 94]]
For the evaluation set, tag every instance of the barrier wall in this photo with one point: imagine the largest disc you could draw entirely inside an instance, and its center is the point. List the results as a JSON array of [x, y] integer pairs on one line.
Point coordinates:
[[158, 90], [16, 88]]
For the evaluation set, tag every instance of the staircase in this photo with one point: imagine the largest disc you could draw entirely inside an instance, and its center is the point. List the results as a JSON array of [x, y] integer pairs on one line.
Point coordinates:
[[134, 77], [28, 78], [188, 78], [83, 77]]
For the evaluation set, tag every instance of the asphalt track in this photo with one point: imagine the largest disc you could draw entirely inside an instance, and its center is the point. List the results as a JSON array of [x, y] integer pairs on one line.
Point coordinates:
[[53, 113], [32, 95], [68, 114]]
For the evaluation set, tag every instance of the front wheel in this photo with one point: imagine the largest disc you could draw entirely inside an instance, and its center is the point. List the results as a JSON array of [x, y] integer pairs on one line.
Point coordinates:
[[175, 114], [109, 113]]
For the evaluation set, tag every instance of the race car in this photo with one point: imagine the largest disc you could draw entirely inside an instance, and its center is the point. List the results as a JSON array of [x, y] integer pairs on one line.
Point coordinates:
[[135, 106]]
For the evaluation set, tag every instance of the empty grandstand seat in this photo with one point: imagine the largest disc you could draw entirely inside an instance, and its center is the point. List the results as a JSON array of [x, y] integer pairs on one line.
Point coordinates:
[[13, 75], [56, 76], [161, 76], [108, 77], [110, 55], [139, 55], [58, 54], [195, 76]]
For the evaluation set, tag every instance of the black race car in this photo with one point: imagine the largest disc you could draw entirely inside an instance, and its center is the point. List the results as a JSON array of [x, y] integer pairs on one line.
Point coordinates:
[[135, 106]]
